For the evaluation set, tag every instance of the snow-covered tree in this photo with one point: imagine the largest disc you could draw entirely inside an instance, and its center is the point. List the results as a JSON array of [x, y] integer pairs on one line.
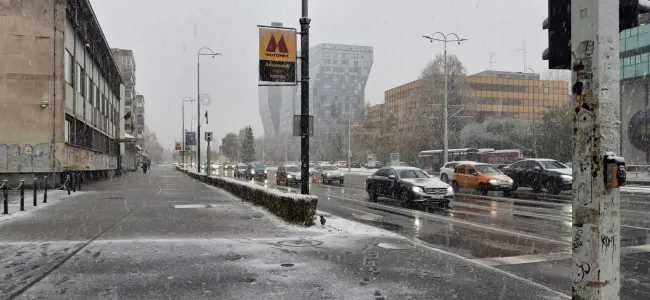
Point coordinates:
[[248, 145]]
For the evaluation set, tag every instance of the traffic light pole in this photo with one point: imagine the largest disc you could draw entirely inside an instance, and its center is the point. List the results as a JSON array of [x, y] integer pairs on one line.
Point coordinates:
[[596, 222], [304, 100]]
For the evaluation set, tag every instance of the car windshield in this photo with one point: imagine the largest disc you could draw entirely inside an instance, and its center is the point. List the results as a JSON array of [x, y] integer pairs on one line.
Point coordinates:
[[487, 169], [552, 164], [329, 168], [242, 167], [258, 167], [413, 173], [292, 169]]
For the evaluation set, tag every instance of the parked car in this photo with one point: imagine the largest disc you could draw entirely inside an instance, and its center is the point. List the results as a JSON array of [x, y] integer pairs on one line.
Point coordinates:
[[403, 164], [410, 185], [481, 177], [229, 166], [355, 164], [312, 168], [539, 174], [447, 171], [287, 174], [327, 174], [256, 170], [342, 164], [240, 170]]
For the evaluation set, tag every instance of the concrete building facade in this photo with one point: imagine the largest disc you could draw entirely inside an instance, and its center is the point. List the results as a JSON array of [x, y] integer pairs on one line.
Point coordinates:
[[126, 63], [62, 92]]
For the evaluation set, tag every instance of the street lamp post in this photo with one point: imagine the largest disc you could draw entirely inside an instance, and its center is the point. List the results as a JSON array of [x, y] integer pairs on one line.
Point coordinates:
[[445, 39], [198, 103], [183, 120]]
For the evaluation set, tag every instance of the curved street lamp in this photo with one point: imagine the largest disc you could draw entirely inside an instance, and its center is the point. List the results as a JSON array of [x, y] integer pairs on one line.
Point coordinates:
[[207, 51], [445, 38]]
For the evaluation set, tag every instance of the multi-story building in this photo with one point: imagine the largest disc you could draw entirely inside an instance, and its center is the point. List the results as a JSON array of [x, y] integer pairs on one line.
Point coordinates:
[[338, 76], [139, 116], [126, 63], [493, 94], [635, 92], [62, 92]]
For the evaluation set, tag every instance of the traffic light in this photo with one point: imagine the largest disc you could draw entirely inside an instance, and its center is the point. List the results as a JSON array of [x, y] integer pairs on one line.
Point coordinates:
[[558, 24]]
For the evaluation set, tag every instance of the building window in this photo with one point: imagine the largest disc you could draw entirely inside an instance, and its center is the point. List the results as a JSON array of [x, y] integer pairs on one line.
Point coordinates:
[[91, 91], [82, 82], [69, 68]]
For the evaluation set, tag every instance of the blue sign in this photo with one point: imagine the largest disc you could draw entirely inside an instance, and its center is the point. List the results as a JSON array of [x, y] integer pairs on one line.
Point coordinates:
[[190, 138]]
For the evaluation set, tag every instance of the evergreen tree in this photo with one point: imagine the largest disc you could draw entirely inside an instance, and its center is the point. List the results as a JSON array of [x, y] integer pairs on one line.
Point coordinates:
[[248, 145]]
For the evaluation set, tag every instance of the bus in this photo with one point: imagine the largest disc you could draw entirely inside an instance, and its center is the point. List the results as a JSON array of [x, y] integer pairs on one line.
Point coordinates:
[[432, 160]]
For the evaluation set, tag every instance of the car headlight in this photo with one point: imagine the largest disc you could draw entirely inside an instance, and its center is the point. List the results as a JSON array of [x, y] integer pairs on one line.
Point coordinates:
[[252, 171], [450, 190], [417, 189], [289, 176], [510, 180], [342, 174], [566, 177], [493, 181], [265, 172], [327, 174]]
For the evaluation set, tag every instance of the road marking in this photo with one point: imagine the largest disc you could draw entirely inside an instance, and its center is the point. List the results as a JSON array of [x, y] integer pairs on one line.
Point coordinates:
[[191, 206], [543, 257]]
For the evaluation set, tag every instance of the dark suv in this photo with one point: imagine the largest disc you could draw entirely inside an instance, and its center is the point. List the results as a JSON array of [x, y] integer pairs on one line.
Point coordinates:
[[539, 174]]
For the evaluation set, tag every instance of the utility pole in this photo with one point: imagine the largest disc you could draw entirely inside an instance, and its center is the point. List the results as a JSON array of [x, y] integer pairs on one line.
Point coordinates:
[[304, 99], [597, 174], [445, 39]]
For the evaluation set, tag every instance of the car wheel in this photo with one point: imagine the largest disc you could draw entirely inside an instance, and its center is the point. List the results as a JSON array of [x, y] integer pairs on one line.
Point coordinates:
[[455, 186], [372, 194], [405, 198], [553, 188], [342, 183], [483, 188], [444, 178], [286, 182], [506, 193], [537, 187]]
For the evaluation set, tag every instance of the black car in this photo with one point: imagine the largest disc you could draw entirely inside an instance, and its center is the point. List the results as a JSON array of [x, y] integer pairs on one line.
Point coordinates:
[[287, 174], [256, 171], [410, 185], [539, 174]]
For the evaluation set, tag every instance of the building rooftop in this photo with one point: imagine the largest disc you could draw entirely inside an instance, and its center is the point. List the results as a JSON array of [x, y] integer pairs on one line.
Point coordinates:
[[509, 75]]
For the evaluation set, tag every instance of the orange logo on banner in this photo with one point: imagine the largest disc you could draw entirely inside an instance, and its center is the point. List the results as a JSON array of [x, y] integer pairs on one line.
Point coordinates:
[[277, 45]]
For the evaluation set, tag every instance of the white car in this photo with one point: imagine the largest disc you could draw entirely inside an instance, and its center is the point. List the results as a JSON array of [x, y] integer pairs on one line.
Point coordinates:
[[447, 171], [342, 164]]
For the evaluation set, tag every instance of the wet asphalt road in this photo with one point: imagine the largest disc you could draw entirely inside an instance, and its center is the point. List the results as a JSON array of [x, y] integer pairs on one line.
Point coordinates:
[[521, 230]]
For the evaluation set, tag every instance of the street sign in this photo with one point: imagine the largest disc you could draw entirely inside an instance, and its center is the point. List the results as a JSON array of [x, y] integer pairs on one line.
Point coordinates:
[[208, 136], [190, 138], [296, 125], [394, 159], [277, 55], [28, 150], [178, 146]]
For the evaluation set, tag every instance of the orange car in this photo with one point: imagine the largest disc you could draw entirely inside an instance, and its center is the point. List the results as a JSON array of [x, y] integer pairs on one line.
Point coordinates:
[[482, 177]]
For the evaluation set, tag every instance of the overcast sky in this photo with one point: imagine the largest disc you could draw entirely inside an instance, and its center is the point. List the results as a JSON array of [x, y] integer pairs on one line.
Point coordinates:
[[165, 36]]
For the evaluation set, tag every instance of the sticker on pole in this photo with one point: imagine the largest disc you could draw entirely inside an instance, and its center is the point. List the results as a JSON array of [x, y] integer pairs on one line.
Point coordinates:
[[177, 146], [277, 55]]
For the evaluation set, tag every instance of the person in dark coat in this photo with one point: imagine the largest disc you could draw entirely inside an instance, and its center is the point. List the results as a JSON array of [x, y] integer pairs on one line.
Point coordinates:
[[145, 166]]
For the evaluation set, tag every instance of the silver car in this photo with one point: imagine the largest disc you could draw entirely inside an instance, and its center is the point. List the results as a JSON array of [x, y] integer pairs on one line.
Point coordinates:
[[327, 174]]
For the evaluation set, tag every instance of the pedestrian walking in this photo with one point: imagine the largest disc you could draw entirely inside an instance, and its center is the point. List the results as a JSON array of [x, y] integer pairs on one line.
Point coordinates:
[[145, 166]]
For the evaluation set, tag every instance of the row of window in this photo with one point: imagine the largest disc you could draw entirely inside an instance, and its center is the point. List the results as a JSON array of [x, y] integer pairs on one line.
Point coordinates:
[[517, 88], [95, 93], [634, 38], [79, 134]]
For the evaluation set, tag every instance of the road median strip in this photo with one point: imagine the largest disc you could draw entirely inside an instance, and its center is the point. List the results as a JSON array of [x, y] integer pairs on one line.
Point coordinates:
[[296, 209]]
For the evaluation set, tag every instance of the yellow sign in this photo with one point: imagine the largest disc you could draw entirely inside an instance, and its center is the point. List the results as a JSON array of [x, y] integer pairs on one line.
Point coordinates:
[[178, 146], [277, 51]]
